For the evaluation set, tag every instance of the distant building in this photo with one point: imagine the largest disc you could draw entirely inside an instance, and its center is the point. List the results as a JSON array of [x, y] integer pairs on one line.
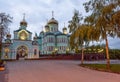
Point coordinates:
[[52, 41]]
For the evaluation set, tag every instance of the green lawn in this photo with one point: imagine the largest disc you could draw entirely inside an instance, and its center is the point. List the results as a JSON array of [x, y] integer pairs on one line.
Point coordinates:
[[113, 67]]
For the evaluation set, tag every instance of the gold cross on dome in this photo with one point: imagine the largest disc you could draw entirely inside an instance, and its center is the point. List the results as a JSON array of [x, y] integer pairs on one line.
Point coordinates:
[[52, 14]]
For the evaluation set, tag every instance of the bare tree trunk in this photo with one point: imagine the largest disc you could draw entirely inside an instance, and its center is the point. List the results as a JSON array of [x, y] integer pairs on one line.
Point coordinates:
[[82, 59], [107, 55]]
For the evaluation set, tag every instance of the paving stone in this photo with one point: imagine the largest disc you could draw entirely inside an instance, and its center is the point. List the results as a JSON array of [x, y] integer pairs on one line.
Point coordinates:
[[55, 71]]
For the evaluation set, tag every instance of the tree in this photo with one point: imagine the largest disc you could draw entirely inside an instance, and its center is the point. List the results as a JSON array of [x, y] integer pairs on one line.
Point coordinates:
[[83, 36], [103, 18], [5, 20], [75, 22], [116, 22], [73, 25], [81, 33]]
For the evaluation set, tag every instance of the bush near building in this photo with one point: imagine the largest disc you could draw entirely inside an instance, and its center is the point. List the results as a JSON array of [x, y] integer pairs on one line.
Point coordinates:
[[114, 53]]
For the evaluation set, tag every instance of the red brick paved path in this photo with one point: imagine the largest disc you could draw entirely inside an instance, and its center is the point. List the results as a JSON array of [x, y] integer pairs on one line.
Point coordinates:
[[55, 71], [4, 75]]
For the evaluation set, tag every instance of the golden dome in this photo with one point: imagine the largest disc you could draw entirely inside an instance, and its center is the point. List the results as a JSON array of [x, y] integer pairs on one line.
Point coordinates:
[[64, 28], [52, 21], [46, 26], [23, 22]]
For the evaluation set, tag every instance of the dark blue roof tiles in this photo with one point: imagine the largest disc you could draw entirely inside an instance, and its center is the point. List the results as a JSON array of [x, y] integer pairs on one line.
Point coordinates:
[[21, 29], [49, 33], [57, 33]]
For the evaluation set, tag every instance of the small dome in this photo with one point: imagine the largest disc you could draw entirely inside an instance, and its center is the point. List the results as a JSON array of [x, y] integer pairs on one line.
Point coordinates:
[[23, 23], [42, 32], [35, 37], [46, 26], [52, 21], [64, 28], [8, 35]]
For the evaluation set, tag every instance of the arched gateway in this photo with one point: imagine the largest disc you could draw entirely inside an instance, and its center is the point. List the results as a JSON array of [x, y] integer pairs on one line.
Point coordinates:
[[22, 52]]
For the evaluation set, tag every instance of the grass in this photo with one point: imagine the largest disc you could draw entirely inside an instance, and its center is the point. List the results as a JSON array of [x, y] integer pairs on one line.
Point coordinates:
[[115, 68]]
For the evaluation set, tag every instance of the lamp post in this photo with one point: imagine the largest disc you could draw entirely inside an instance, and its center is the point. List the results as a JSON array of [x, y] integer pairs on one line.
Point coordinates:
[[67, 51], [7, 50], [56, 50]]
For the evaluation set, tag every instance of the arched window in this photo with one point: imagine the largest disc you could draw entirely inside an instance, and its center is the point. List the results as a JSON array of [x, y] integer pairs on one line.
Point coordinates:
[[39, 52], [35, 51]]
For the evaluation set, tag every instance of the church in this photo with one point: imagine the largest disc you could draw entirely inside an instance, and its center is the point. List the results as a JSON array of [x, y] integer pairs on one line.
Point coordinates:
[[48, 42]]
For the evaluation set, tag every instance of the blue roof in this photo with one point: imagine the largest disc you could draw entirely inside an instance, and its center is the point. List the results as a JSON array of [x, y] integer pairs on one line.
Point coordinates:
[[21, 29], [49, 33], [60, 33], [57, 33]]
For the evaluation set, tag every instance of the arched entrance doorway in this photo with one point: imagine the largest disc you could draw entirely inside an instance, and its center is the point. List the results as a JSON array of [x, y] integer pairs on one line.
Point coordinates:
[[22, 51]]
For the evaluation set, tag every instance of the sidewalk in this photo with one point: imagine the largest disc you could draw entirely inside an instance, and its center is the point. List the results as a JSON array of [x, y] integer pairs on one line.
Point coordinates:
[[56, 71], [4, 75]]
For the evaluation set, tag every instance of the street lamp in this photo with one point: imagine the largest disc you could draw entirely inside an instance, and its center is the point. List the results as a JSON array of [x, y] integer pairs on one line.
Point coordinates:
[[67, 50], [7, 50], [56, 50]]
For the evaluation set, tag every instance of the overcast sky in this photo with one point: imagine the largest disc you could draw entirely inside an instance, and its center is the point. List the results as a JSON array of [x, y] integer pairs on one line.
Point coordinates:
[[39, 11]]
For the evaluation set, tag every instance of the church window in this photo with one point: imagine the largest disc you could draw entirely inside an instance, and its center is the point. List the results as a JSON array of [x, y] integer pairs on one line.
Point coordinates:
[[48, 39], [60, 47], [51, 40], [58, 40], [52, 29], [64, 40], [52, 47], [39, 52], [64, 48], [35, 51], [47, 47]]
